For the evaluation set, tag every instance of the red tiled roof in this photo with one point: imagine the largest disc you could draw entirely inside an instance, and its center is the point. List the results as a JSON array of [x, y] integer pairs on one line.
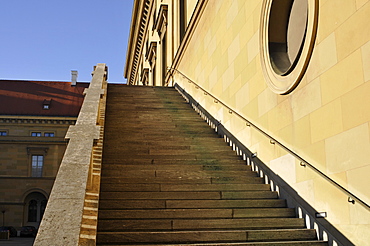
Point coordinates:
[[20, 97]]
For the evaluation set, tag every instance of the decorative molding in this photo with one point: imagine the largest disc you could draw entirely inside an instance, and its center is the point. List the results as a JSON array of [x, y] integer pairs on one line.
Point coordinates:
[[34, 150], [37, 120], [161, 24], [138, 28], [145, 76], [151, 54]]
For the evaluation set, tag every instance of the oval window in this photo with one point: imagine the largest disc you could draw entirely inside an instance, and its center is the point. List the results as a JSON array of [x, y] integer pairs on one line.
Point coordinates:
[[288, 30]]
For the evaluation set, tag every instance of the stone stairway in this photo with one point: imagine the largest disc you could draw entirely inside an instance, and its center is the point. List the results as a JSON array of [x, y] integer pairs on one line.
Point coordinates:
[[167, 179]]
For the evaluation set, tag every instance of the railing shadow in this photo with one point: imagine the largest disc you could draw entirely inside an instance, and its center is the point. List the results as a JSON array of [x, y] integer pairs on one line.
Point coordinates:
[[314, 220]]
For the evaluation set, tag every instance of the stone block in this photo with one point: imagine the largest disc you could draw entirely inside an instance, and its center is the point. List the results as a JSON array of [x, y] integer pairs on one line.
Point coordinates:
[[342, 78], [326, 121], [354, 32]]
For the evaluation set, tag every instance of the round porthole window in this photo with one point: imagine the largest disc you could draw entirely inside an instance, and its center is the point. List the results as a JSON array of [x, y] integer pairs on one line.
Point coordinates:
[[288, 31]]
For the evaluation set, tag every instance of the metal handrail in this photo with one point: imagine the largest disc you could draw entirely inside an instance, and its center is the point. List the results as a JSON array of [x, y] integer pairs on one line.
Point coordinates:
[[351, 197]]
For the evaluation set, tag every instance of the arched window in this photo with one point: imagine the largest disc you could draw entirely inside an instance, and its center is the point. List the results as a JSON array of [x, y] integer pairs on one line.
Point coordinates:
[[34, 208], [32, 211], [42, 208]]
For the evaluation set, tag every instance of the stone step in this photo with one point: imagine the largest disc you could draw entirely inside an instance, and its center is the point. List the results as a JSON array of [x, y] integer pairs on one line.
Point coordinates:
[[156, 180], [160, 143], [146, 127], [205, 173], [158, 122], [198, 213], [187, 180], [206, 236], [271, 243], [168, 179], [161, 136], [258, 203], [166, 152], [161, 195], [187, 167], [175, 173], [122, 156], [227, 224], [182, 187], [115, 186], [176, 195], [207, 162], [214, 187], [169, 140], [185, 204], [175, 224], [154, 103]]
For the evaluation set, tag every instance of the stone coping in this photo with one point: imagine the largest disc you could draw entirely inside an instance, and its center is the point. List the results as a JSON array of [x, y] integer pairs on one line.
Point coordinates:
[[63, 215]]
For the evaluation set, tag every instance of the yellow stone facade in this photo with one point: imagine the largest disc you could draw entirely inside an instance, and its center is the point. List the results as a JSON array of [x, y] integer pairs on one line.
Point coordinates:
[[325, 119], [16, 148]]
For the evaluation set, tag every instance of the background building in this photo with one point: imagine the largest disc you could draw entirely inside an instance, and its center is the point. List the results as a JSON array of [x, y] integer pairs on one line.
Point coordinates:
[[299, 70], [34, 118]]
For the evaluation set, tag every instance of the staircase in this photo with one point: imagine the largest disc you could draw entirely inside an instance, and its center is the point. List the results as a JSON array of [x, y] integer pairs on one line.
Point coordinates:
[[167, 179]]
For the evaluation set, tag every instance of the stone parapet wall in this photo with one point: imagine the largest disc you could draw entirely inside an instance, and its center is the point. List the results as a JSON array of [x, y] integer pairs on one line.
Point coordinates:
[[62, 220]]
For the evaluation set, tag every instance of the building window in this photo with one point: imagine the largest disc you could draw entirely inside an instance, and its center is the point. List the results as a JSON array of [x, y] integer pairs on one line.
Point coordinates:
[[183, 19], [153, 75], [162, 33], [286, 34], [34, 208], [3, 133], [151, 56], [32, 211], [37, 165], [42, 208], [36, 134], [288, 30], [49, 134], [145, 76], [164, 58], [46, 104], [154, 16]]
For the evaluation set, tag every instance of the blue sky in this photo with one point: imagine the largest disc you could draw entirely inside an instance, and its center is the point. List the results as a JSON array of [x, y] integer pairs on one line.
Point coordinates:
[[46, 39]]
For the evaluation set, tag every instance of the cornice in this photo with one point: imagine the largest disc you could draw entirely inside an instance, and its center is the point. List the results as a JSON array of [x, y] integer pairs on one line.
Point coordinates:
[[138, 28], [15, 119], [161, 23]]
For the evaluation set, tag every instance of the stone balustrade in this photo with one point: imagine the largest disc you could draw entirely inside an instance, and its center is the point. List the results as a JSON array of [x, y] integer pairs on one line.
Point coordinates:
[[61, 223]]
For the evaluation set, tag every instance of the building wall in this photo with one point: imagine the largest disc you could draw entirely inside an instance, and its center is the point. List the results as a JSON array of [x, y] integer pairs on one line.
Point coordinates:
[[152, 35], [16, 181], [326, 119]]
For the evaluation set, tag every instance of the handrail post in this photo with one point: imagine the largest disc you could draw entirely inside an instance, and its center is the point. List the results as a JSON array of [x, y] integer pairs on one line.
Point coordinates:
[[327, 231], [275, 141], [61, 222]]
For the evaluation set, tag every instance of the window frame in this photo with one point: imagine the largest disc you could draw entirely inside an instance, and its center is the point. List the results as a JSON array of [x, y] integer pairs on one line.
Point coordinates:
[[182, 18], [37, 170], [32, 211], [36, 134], [286, 83], [51, 134]]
